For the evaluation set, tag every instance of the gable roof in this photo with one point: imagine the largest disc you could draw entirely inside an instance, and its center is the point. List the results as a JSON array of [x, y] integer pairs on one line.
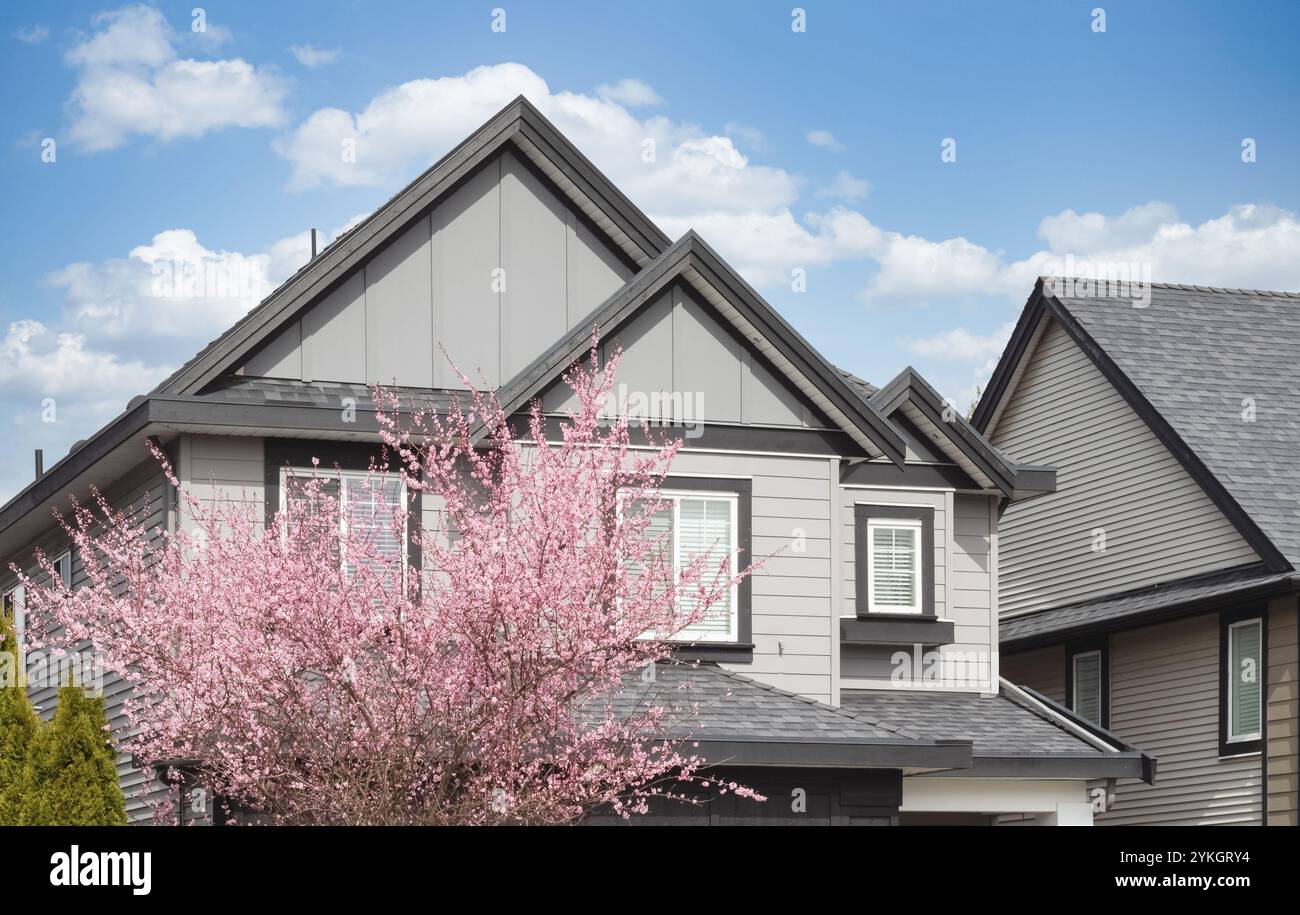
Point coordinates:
[[692, 261], [519, 125], [916, 399], [1185, 363]]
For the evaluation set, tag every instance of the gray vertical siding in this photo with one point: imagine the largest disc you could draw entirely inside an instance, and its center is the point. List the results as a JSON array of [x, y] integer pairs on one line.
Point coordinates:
[[1113, 474], [434, 288]]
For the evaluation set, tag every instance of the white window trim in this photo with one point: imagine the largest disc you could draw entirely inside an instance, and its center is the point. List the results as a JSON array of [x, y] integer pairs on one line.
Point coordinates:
[[304, 474], [1234, 680], [913, 524], [733, 499], [57, 561], [1101, 685]]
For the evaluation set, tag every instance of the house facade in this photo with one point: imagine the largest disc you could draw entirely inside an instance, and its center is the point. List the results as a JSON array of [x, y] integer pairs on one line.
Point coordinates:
[[1154, 592], [854, 679]]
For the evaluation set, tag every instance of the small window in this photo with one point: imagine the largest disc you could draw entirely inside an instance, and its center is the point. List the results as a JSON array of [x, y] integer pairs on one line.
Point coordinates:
[[63, 565], [695, 524], [894, 561], [893, 558], [1087, 686], [354, 501], [1245, 696]]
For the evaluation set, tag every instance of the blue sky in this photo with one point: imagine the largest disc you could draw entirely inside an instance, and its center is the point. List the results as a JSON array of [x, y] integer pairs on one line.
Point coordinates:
[[816, 150]]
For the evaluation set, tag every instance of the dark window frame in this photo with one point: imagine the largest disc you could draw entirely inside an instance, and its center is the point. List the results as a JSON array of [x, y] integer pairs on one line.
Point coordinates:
[[1227, 620], [863, 514], [741, 651], [352, 456], [1101, 645]]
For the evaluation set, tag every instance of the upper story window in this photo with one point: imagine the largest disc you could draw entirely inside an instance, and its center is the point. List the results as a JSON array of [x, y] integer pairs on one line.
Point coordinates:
[[1242, 659], [894, 559], [1087, 686], [357, 503], [708, 518], [63, 565]]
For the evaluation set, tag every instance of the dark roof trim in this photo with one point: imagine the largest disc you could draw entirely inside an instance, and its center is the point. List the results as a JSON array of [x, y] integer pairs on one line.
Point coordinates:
[[911, 387], [1041, 303], [1123, 749], [1109, 765], [1176, 608], [516, 120], [691, 253], [844, 753], [118, 431]]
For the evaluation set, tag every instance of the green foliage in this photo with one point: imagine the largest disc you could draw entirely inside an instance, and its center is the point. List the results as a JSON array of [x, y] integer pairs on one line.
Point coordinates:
[[70, 778], [18, 725]]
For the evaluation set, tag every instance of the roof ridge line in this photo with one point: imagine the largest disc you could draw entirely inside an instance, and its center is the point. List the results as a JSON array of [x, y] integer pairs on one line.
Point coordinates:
[[1187, 287]]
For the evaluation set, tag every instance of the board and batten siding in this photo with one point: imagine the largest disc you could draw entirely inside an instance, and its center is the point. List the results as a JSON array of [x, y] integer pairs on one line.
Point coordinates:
[[494, 274], [791, 593], [143, 494], [1114, 476]]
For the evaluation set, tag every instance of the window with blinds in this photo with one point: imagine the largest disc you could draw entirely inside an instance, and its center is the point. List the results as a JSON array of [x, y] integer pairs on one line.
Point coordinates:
[[1088, 686], [700, 525], [1245, 648], [894, 566], [369, 508]]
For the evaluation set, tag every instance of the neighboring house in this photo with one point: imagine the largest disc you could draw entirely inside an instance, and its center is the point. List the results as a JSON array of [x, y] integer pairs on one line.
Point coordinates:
[[1154, 592], [878, 508]]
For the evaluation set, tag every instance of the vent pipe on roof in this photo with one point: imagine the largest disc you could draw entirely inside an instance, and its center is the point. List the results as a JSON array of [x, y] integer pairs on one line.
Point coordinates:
[[40, 463], [313, 244]]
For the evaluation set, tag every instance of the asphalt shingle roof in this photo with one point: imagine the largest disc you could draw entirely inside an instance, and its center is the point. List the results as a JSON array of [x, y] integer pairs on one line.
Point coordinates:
[[1203, 356], [1001, 725], [707, 702], [1167, 595]]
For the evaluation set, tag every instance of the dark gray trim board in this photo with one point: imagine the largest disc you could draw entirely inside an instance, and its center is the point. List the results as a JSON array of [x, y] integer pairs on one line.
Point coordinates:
[[909, 629], [1148, 762], [909, 476], [862, 514], [1089, 766], [1041, 304], [844, 753]]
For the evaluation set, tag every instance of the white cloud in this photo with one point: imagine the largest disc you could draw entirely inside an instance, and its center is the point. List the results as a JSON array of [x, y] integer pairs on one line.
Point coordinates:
[[825, 139], [311, 56], [32, 34], [132, 82], [845, 187], [631, 93], [962, 345], [750, 136]]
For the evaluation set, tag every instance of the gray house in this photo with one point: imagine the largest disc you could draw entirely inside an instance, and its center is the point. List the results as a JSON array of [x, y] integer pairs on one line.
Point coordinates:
[[1154, 592], [854, 679]]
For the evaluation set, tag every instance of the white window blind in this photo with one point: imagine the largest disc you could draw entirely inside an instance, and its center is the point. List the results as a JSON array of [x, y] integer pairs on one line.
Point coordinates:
[[894, 560], [1088, 686], [369, 509], [1245, 645], [696, 525]]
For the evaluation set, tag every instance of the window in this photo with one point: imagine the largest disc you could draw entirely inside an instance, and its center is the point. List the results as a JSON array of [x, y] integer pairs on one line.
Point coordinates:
[[1087, 680], [894, 559], [711, 518], [358, 503], [1242, 659], [63, 565]]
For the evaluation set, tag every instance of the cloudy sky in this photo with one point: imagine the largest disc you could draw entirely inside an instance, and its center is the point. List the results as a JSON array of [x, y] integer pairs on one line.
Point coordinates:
[[920, 163]]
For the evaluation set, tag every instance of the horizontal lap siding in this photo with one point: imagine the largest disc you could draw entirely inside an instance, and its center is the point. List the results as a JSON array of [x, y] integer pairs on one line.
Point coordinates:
[[144, 495], [1164, 698], [792, 591], [1113, 474]]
